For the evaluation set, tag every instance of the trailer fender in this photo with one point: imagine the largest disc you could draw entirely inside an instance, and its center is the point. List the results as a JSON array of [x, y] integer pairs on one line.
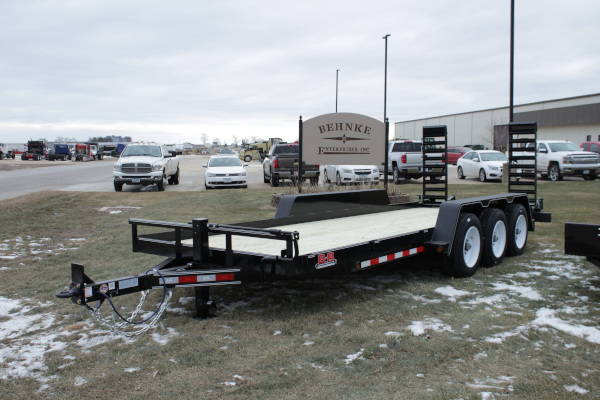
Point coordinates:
[[450, 211]]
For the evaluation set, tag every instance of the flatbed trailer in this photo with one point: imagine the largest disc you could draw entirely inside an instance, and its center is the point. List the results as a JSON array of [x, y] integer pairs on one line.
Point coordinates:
[[321, 234]]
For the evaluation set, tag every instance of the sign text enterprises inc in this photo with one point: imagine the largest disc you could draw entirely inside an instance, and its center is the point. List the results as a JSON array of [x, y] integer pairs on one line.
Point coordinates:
[[343, 138]]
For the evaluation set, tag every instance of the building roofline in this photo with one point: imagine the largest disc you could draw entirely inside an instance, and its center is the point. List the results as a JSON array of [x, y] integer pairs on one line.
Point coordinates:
[[502, 108]]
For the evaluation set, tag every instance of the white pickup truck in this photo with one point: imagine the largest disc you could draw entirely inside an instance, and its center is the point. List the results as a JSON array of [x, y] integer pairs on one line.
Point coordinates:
[[557, 158], [146, 164], [405, 159]]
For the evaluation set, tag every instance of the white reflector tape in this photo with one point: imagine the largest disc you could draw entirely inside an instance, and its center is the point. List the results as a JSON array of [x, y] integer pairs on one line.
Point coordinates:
[[391, 257]]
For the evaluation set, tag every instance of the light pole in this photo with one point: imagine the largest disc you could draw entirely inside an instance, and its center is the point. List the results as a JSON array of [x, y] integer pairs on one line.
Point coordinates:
[[512, 61], [336, 88], [385, 80]]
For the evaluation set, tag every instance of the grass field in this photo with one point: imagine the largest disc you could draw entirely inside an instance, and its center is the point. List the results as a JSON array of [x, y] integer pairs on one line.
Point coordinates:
[[525, 329]]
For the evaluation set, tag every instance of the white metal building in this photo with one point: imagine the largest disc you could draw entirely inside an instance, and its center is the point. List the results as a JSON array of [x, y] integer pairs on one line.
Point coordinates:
[[576, 119]]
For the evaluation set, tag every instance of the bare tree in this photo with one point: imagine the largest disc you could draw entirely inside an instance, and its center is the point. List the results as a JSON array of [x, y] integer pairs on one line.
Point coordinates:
[[235, 140]]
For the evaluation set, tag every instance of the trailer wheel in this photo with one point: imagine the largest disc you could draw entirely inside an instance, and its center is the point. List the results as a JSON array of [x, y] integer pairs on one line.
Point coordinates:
[[465, 256], [494, 225], [516, 215], [118, 186]]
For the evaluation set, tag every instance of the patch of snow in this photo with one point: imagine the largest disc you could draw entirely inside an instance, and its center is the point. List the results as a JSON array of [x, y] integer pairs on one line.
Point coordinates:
[[418, 328], [131, 369], [356, 356], [547, 317], [523, 291], [576, 389], [393, 334], [276, 333], [164, 339], [451, 293], [80, 381]]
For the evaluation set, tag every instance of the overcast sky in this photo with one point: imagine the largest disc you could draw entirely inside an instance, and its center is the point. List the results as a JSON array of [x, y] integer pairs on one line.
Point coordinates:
[[170, 71]]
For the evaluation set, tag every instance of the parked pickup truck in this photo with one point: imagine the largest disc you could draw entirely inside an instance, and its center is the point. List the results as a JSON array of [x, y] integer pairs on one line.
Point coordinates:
[[282, 163], [405, 160], [557, 158], [343, 174], [146, 164]]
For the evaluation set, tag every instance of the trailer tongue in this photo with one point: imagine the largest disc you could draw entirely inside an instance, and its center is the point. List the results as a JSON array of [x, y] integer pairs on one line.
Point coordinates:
[[316, 235]]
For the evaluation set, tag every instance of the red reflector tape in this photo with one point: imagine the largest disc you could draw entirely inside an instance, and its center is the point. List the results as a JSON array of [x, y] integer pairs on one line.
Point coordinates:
[[188, 279], [224, 277], [391, 257]]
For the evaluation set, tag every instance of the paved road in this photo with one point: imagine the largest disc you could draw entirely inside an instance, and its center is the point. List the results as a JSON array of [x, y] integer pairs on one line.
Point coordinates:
[[96, 176]]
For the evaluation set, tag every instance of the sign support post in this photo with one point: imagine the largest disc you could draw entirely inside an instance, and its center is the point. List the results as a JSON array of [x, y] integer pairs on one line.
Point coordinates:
[[385, 165], [300, 155]]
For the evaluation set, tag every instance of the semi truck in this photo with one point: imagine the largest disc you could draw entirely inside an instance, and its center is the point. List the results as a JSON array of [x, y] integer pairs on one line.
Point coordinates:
[[61, 152], [36, 150], [320, 234]]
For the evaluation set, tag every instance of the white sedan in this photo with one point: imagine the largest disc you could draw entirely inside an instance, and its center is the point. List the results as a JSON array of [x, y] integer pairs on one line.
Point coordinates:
[[484, 164], [225, 171], [342, 174]]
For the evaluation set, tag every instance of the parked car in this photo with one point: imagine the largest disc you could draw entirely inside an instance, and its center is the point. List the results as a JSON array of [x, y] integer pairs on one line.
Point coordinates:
[[342, 174], [225, 171], [594, 147], [485, 164], [456, 152]]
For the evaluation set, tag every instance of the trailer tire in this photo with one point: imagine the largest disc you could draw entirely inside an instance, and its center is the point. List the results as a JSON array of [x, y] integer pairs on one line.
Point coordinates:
[[465, 255], [516, 215], [494, 224]]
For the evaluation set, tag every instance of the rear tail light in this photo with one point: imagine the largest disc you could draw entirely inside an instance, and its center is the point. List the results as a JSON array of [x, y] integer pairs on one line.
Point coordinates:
[[275, 163], [403, 159]]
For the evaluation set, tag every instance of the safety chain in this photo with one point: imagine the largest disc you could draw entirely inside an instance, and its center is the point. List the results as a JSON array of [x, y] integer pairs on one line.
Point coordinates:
[[115, 327]]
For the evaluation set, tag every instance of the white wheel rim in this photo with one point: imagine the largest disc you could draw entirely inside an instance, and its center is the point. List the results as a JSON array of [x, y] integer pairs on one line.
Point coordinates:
[[520, 232], [499, 239], [471, 247]]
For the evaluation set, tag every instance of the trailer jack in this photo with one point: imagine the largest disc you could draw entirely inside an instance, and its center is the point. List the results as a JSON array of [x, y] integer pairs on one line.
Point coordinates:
[[203, 304]]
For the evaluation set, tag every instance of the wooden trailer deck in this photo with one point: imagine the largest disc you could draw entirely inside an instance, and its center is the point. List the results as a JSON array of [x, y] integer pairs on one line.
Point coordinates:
[[319, 236]]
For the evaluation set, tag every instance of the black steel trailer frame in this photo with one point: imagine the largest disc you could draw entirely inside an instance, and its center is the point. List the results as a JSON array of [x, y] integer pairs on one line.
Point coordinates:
[[462, 226]]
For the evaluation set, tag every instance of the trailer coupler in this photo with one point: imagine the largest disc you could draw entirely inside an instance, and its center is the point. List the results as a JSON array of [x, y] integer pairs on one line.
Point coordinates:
[[78, 281]]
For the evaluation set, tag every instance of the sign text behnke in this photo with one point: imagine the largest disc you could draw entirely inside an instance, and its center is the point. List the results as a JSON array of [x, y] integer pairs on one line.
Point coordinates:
[[343, 138]]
